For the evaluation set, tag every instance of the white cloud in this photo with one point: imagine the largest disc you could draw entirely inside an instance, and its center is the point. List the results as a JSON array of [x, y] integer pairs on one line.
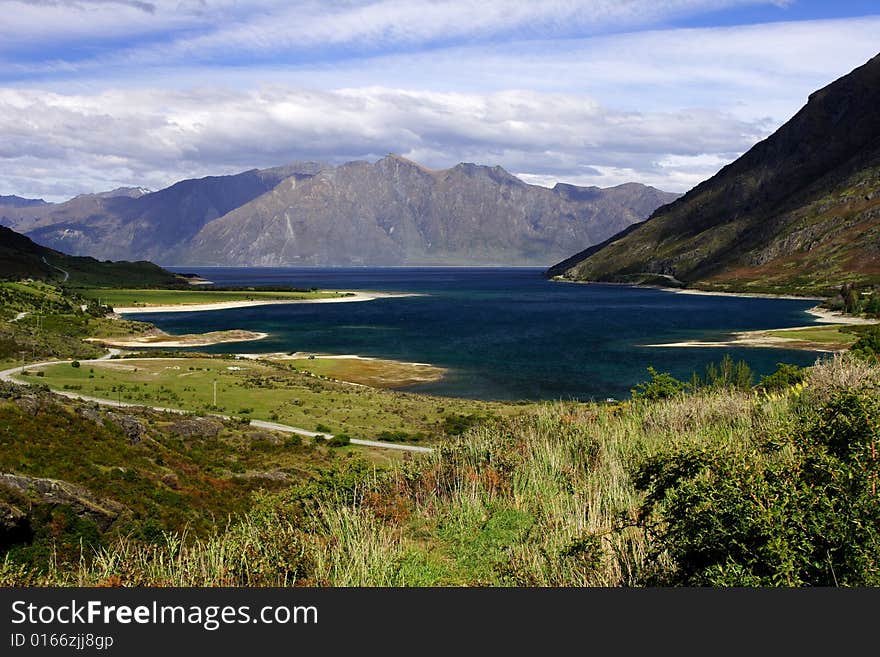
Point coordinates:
[[214, 28], [155, 137], [664, 107]]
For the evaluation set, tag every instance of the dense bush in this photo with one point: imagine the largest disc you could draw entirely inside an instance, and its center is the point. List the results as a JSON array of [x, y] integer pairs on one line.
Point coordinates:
[[785, 376], [800, 510], [868, 344]]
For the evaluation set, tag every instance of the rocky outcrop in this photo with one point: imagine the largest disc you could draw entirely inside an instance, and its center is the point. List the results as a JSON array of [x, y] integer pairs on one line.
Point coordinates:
[[135, 430], [55, 492], [196, 427], [14, 525]]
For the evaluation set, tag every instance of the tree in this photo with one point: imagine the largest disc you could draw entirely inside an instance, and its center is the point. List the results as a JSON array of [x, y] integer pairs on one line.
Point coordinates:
[[661, 386]]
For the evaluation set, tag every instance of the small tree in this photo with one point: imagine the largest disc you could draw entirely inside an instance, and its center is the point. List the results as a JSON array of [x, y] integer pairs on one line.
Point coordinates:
[[661, 386]]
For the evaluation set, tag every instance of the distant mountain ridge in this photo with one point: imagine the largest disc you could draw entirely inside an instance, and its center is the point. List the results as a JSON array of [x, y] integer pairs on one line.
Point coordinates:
[[390, 212], [799, 212], [20, 202]]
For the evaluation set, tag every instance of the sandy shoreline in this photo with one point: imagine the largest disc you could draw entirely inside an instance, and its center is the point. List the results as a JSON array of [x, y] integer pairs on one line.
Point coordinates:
[[742, 295], [225, 305], [754, 339], [680, 290], [303, 355], [837, 317], [189, 340]]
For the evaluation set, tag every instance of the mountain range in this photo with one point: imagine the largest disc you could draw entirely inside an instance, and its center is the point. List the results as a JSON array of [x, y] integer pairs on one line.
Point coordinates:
[[389, 212], [799, 212]]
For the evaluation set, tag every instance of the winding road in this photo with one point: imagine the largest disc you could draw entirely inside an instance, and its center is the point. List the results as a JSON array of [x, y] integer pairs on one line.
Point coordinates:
[[8, 375], [66, 274]]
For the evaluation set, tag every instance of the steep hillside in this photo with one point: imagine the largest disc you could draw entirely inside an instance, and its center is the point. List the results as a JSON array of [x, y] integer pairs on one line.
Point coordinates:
[[799, 212], [20, 258], [396, 212]]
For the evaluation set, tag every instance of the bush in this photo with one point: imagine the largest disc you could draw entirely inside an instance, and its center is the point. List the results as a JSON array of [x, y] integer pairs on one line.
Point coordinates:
[[801, 512], [785, 376], [457, 424], [339, 440], [661, 386], [868, 344], [75, 364], [725, 375]]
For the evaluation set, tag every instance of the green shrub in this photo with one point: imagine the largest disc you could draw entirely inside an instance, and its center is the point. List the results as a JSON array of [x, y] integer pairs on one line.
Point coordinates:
[[804, 512], [339, 440], [725, 375], [75, 364], [868, 344], [661, 386], [785, 376]]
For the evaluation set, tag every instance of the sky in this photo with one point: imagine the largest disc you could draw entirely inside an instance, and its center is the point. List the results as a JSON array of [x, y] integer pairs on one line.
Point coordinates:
[[97, 94]]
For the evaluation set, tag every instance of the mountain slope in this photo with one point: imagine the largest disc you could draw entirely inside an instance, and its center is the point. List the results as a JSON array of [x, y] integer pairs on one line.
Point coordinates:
[[122, 224], [396, 212], [21, 258], [799, 212]]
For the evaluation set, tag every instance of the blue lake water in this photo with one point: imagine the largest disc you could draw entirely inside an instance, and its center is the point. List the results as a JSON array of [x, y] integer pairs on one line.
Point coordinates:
[[503, 333]]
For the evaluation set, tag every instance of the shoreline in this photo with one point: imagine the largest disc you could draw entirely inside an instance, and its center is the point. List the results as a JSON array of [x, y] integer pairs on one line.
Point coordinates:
[[226, 305], [754, 339], [694, 291], [306, 355], [741, 295], [764, 337], [188, 340]]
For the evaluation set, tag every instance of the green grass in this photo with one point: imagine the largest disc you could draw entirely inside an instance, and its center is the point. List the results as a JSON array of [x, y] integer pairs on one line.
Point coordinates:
[[378, 373], [268, 391], [827, 335], [545, 499], [136, 297]]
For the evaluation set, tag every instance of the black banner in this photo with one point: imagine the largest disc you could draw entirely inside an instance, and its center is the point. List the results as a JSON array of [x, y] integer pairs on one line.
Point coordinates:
[[408, 621]]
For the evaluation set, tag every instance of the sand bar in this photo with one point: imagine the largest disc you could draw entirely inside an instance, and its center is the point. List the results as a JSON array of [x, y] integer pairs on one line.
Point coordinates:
[[225, 305], [159, 339]]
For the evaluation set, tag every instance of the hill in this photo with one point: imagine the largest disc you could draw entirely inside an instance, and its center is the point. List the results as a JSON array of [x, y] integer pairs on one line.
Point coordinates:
[[21, 258], [389, 212], [799, 212]]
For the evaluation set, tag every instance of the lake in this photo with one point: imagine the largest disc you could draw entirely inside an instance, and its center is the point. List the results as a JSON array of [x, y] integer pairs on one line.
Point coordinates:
[[503, 333]]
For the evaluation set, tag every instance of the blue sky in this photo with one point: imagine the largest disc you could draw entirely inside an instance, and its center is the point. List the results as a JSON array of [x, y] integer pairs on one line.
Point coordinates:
[[96, 94]]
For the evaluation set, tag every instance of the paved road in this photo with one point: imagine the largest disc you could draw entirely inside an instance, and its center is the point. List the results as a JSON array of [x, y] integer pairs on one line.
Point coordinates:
[[8, 375], [66, 275]]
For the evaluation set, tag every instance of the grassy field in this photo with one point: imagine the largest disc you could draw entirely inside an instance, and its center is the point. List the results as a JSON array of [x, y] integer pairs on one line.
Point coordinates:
[[378, 373], [268, 391], [824, 335], [135, 297], [711, 489]]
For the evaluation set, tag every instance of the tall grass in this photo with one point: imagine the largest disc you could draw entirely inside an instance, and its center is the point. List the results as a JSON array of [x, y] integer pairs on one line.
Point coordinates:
[[546, 499]]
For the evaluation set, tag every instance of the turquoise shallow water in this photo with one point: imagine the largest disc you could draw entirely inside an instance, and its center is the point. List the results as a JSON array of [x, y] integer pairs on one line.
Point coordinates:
[[503, 333]]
